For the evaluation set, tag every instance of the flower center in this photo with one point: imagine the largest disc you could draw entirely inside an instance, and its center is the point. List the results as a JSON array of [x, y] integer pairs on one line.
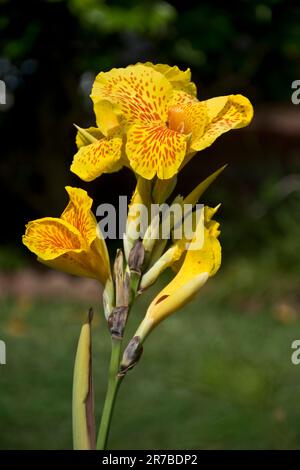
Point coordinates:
[[176, 120]]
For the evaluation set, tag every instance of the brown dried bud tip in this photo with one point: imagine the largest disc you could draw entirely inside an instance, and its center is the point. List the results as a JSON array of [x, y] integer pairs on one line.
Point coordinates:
[[90, 315], [117, 321], [126, 289], [136, 257], [131, 355]]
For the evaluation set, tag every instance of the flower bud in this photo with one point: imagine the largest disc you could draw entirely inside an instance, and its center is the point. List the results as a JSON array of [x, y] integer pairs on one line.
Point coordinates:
[[131, 355]]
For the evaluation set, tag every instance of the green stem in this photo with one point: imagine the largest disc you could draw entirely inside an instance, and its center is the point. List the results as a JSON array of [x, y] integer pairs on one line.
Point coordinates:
[[111, 393]]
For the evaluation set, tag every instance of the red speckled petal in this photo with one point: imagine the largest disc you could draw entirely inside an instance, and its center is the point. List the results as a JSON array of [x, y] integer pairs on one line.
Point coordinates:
[[78, 213], [224, 114], [155, 150], [180, 79], [138, 94], [101, 157], [50, 237]]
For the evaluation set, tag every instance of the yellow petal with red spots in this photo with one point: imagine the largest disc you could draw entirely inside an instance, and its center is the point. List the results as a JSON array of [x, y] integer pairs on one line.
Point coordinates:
[[224, 113], [78, 213], [180, 80], [51, 237], [153, 149], [137, 93], [71, 243], [103, 156], [180, 98], [59, 245]]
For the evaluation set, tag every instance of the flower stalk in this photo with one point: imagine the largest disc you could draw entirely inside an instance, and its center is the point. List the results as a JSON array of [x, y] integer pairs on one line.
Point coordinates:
[[114, 381]]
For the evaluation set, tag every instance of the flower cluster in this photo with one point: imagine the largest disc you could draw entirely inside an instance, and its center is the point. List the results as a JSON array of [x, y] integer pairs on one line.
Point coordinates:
[[148, 119]]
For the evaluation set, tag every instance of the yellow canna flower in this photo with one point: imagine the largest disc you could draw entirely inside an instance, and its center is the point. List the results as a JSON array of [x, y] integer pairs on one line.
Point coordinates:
[[154, 110], [193, 269], [72, 242]]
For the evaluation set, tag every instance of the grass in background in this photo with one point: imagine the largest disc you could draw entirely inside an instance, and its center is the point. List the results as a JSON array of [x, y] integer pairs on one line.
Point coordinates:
[[216, 375]]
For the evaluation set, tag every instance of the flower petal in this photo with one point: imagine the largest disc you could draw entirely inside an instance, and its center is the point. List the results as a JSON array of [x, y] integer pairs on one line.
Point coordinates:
[[210, 252], [224, 113], [51, 237], [155, 150], [78, 213], [106, 117], [94, 159], [79, 264], [59, 245], [137, 94], [180, 80], [180, 97], [197, 267]]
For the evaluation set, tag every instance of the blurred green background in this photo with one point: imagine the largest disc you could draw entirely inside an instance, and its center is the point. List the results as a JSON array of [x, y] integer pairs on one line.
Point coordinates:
[[219, 373]]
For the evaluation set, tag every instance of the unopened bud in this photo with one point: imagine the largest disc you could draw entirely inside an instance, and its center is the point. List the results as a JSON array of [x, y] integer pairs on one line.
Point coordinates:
[[131, 355], [119, 278], [136, 257], [117, 321], [118, 318], [108, 297]]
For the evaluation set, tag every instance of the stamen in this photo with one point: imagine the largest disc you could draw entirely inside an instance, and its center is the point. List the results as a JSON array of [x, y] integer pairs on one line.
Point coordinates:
[[176, 119]]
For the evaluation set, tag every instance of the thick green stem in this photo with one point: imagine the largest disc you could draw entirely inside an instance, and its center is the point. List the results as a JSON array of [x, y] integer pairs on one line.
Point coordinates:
[[111, 393]]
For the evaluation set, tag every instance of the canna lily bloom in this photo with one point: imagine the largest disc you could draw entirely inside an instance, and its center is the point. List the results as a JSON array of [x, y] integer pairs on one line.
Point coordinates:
[[149, 119], [194, 268], [72, 242]]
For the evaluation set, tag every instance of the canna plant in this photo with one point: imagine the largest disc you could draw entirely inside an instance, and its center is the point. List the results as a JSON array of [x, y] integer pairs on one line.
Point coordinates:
[[148, 119]]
